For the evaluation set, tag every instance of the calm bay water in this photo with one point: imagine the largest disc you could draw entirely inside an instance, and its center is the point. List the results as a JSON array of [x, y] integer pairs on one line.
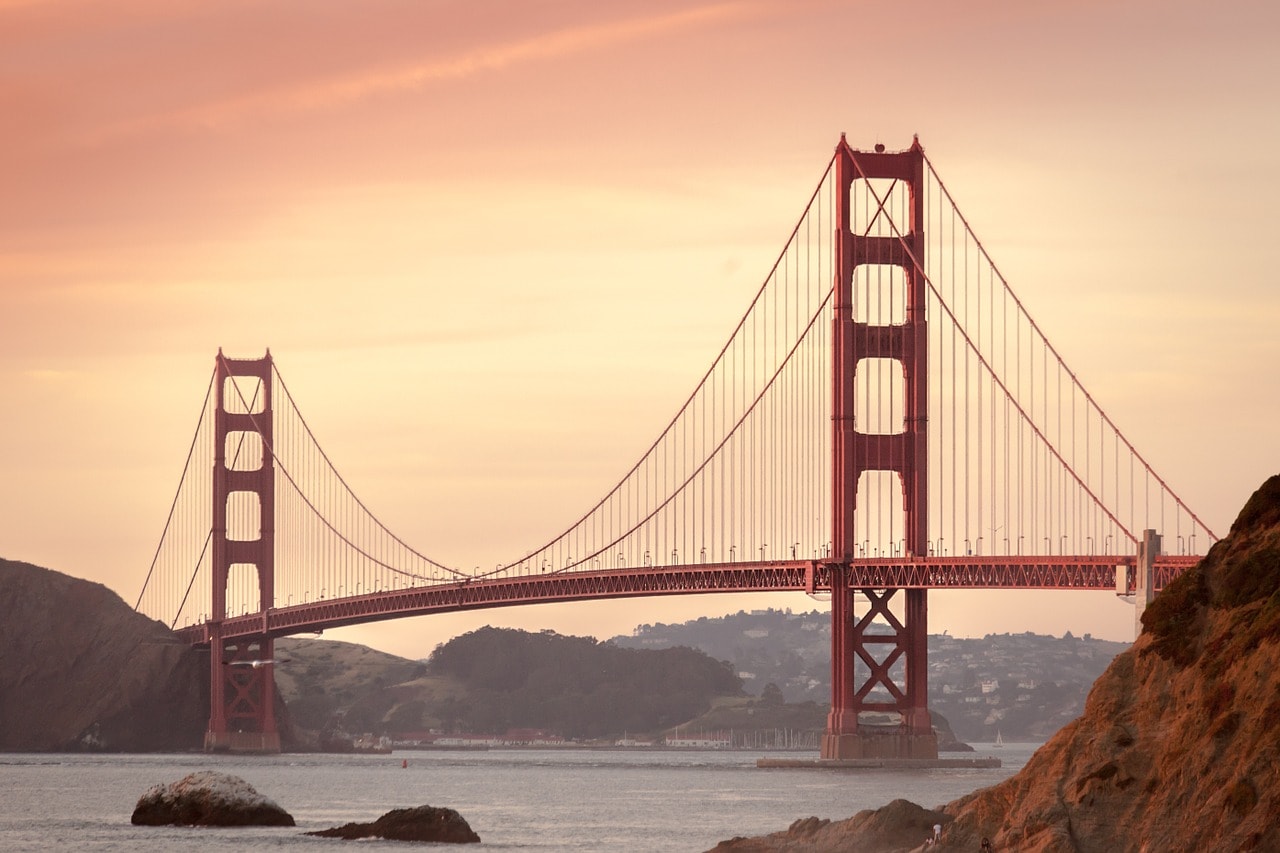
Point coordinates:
[[517, 800]]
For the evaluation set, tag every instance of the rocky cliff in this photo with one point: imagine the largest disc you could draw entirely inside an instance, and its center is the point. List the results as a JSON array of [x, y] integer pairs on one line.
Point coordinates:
[[1178, 747], [79, 669]]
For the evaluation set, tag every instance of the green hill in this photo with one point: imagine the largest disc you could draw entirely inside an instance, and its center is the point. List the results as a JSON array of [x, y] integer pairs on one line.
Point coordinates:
[[492, 680]]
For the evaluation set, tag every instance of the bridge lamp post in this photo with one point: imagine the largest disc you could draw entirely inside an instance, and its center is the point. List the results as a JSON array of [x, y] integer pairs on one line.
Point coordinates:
[[1006, 546], [321, 594], [1180, 551], [702, 554], [1064, 544], [675, 558], [1191, 544], [1048, 546], [733, 551], [968, 549], [763, 548], [647, 559], [942, 549], [978, 545], [1106, 544], [622, 560], [826, 550]]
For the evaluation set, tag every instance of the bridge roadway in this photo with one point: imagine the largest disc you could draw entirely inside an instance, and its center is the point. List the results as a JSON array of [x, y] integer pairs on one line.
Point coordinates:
[[1064, 573]]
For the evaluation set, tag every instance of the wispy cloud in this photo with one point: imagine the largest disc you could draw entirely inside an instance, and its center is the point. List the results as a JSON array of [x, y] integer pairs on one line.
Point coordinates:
[[353, 87], [42, 374]]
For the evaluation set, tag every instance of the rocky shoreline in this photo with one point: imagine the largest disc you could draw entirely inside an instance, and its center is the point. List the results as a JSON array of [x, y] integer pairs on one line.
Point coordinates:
[[1178, 747]]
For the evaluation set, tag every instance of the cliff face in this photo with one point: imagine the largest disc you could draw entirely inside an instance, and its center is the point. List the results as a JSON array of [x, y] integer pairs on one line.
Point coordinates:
[[1179, 744], [80, 670]]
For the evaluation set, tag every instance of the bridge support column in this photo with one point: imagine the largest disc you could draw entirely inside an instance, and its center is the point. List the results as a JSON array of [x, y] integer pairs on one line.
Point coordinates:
[[247, 704], [1144, 581], [897, 725], [241, 677], [903, 729]]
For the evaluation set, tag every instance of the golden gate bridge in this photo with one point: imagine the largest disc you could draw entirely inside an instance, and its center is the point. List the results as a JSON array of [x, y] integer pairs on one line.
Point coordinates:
[[886, 418]]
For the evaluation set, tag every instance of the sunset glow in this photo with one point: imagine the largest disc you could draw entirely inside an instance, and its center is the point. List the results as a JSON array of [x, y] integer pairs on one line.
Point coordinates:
[[492, 246]]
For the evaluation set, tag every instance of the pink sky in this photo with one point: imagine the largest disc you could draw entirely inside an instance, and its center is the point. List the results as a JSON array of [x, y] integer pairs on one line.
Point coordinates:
[[431, 211]]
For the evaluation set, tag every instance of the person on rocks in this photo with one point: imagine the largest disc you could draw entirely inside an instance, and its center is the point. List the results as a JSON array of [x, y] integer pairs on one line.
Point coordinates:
[[986, 845]]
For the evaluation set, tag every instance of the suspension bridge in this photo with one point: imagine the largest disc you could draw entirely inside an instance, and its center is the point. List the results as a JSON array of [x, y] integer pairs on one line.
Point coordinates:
[[886, 418]]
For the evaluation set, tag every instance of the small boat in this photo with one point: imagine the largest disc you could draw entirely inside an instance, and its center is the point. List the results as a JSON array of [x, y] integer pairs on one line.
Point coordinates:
[[999, 740]]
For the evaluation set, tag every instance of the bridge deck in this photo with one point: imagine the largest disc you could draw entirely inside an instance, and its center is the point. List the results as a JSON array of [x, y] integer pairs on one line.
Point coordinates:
[[1078, 573]]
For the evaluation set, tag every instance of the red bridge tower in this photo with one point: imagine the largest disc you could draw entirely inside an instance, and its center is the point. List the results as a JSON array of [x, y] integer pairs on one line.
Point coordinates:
[[856, 452], [242, 678]]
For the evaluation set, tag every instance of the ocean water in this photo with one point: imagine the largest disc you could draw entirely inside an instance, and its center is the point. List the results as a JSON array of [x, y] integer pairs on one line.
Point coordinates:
[[516, 800]]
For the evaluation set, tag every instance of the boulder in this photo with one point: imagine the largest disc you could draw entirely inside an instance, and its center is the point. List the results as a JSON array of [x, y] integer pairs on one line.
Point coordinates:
[[424, 823], [208, 798]]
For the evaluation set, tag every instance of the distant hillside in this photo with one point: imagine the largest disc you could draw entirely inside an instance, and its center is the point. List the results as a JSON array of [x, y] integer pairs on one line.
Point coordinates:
[[80, 670], [1026, 686], [328, 684], [493, 680]]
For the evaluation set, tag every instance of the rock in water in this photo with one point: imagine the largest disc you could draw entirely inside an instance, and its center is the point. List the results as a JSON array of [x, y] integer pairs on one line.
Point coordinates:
[[208, 798], [424, 823]]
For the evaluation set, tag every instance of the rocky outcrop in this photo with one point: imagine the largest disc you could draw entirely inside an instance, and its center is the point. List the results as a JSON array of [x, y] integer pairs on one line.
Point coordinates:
[[79, 669], [424, 823], [947, 740], [208, 798], [1179, 744], [898, 827]]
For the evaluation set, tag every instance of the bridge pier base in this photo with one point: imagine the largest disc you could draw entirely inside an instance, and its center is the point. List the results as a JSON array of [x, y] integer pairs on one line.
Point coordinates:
[[880, 742], [253, 743], [865, 677], [242, 714]]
